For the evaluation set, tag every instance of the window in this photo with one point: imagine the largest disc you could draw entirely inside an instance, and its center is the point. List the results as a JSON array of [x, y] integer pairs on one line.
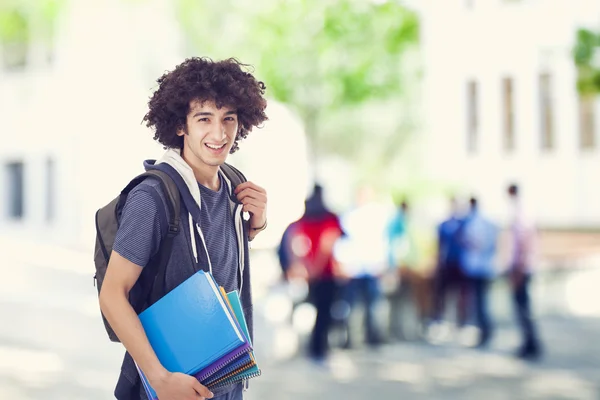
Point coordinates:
[[546, 114], [15, 199], [508, 114], [587, 122], [50, 188], [472, 116]]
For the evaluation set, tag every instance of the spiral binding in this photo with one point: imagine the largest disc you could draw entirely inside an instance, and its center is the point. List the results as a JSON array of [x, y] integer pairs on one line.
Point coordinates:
[[236, 379], [236, 371], [235, 366], [221, 365]]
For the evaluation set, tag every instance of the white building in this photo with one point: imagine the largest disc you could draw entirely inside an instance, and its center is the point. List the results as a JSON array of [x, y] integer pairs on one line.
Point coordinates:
[[71, 129], [502, 106]]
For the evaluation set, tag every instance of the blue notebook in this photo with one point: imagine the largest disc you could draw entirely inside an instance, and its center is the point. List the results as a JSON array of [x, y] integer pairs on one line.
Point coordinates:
[[192, 330]]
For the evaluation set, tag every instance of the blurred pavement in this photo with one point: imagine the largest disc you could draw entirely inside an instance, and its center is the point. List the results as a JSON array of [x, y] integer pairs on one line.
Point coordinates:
[[53, 346]]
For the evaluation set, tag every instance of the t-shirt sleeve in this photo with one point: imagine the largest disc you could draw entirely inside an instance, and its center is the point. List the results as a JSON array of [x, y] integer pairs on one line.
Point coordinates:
[[140, 231]]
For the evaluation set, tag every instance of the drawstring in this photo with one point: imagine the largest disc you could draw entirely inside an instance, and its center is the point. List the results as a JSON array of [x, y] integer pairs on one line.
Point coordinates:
[[194, 248], [205, 248], [239, 221], [193, 236]]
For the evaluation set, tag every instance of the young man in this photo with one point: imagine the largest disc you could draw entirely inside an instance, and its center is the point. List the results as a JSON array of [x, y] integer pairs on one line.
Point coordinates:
[[200, 112], [479, 237], [449, 274]]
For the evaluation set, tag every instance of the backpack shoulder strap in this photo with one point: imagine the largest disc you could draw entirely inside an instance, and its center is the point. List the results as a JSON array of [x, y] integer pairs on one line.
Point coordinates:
[[233, 174], [171, 193], [154, 277]]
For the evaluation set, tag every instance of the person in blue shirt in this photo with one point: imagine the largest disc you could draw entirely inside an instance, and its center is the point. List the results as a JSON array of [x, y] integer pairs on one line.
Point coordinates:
[[449, 275], [478, 237], [396, 232]]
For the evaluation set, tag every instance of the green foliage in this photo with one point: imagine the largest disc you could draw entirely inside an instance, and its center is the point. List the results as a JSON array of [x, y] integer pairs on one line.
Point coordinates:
[[321, 57], [338, 53], [13, 25], [17, 16], [586, 54], [22, 20]]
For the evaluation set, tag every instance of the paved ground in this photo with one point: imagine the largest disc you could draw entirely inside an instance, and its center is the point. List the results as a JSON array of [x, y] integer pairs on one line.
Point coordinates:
[[53, 346], [570, 370]]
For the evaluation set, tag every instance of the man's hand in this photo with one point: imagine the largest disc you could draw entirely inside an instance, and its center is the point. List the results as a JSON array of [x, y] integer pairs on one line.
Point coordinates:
[[178, 386], [254, 199]]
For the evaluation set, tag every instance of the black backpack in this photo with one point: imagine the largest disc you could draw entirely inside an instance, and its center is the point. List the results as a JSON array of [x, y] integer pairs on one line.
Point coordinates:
[[151, 280]]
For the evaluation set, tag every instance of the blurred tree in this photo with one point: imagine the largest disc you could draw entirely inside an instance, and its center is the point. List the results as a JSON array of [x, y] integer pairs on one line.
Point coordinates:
[[14, 35], [324, 58], [587, 58], [23, 22]]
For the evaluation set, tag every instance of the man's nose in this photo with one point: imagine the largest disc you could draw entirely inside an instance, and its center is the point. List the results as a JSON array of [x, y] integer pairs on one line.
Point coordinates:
[[219, 131]]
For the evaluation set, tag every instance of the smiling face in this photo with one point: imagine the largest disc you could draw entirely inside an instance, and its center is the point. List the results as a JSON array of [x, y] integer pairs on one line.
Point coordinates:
[[209, 134]]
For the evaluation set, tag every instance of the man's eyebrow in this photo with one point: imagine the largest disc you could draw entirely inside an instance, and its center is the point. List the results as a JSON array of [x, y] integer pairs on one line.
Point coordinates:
[[208, 113], [202, 113]]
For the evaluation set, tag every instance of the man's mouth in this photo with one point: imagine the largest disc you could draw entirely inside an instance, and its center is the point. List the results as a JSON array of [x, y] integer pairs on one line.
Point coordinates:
[[215, 146]]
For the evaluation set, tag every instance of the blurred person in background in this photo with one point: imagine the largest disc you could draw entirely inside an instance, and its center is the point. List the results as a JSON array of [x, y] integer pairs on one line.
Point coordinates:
[[407, 256], [284, 252], [449, 276], [523, 242], [361, 254], [396, 232], [312, 238], [479, 237], [294, 278]]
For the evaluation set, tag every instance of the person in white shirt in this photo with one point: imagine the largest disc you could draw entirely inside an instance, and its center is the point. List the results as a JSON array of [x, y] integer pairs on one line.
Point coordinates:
[[523, 240]]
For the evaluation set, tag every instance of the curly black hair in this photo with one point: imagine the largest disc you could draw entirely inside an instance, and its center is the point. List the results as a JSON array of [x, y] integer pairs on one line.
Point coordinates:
[[225, 82]]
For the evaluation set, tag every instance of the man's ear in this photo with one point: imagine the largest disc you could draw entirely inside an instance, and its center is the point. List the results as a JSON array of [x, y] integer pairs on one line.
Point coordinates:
[[182, 130]]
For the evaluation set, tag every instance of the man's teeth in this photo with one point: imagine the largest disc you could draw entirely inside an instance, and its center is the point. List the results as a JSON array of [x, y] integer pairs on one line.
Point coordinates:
[[212, 146]]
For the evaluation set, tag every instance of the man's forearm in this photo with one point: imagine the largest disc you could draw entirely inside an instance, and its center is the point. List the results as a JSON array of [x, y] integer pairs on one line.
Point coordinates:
[[126, 324]]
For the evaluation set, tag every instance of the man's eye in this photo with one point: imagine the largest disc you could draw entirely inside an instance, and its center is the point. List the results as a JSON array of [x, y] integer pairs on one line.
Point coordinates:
[[229, 119], [203, 120]]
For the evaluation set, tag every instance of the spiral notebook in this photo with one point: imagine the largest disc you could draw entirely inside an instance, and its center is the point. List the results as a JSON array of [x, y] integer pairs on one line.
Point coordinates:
[[193, 331], [240, 372]]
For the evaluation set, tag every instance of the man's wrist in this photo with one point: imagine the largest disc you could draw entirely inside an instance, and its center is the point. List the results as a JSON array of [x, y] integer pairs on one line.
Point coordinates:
[[157, 375], [255, 231], [260, 228]]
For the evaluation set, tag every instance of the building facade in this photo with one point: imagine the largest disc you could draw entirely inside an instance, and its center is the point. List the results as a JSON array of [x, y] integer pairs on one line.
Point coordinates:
[[502, 106]]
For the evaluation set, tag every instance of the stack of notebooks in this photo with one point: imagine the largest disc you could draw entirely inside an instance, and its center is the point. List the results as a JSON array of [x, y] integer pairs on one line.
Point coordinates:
[[200, 330]]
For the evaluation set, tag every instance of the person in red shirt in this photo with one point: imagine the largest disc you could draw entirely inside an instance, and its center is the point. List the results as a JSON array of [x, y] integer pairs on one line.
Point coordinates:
[[312, 240]]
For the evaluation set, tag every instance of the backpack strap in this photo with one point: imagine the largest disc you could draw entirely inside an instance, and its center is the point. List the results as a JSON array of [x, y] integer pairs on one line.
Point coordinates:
[[154, 274], [233, 174]]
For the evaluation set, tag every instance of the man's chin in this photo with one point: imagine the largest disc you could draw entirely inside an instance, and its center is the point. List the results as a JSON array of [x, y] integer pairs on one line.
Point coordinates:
[[215, 162]]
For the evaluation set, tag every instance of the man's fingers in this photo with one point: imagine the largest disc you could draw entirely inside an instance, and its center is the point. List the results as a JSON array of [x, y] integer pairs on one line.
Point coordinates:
[[202, 390], [250, 185], [250, 201], [253, 194], [252, 208]]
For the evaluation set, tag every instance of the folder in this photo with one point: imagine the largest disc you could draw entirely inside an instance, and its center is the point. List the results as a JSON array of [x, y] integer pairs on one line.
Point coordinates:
[[193, 331]]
